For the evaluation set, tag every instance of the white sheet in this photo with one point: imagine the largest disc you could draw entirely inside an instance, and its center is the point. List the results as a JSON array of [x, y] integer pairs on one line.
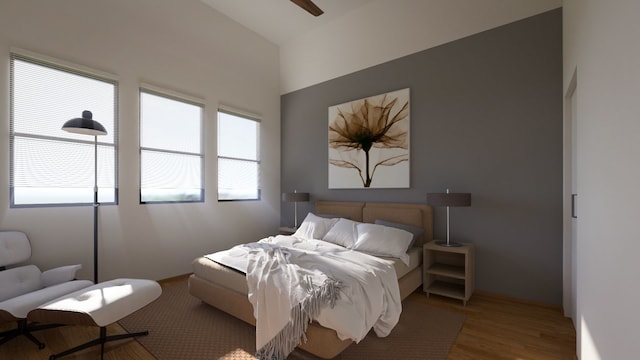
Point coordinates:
[[370, 297]]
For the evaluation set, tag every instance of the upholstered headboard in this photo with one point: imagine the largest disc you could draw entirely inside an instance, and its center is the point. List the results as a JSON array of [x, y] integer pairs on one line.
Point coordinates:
[[343, 209], [420, 215]]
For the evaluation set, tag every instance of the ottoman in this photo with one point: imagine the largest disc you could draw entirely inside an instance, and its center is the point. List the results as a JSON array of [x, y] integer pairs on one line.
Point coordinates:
[[99, 305]]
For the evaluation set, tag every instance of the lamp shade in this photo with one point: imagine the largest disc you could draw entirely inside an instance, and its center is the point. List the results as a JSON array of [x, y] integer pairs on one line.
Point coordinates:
[[295, 197], [449, 199], [84, 125]]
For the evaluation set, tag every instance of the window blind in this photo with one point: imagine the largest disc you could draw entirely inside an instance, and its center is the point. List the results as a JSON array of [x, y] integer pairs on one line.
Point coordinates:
[[48, 165], [238, 157]]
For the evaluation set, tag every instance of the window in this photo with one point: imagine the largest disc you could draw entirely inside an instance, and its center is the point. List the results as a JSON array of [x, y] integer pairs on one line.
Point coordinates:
[[238, 162], [48, 165], [171, 155]]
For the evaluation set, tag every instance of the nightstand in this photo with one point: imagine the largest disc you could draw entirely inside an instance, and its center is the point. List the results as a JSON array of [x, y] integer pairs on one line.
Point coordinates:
[[448, 271], [283, 230]]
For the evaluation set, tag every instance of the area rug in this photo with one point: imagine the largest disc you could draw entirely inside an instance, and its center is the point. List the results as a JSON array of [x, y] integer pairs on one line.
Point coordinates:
[[183, 327]]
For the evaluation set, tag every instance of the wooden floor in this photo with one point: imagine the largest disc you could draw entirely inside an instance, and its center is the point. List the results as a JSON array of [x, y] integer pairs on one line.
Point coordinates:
[[501, 328], [496, 328]]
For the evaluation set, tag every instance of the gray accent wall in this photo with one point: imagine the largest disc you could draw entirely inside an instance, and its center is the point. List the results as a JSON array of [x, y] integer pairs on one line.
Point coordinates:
[[486, 118]]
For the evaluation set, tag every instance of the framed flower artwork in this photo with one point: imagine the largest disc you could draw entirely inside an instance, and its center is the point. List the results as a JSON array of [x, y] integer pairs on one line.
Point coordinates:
[[369, 142]]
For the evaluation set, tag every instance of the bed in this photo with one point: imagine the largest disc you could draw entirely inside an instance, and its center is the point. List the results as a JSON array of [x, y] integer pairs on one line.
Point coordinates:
[[226, 288]]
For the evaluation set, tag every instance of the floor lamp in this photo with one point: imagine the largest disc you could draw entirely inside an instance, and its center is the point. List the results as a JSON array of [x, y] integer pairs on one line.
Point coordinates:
[[448, 199], [87, 126]]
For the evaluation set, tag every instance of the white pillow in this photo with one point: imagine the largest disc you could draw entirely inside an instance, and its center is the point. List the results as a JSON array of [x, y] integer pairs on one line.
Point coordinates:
[[314, 227], [417, 232], [382, 240], [343, 233]]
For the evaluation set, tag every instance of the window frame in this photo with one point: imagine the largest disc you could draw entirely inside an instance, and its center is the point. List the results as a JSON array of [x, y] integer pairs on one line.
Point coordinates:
[[174, 96], [258, 161], [74, 69]]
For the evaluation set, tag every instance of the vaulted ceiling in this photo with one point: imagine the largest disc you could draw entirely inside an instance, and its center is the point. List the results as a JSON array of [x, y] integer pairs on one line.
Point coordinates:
[[355, 34], [281, 20]]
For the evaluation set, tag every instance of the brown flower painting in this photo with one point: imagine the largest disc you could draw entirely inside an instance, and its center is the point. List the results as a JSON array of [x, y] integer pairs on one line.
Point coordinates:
[[369, 142]]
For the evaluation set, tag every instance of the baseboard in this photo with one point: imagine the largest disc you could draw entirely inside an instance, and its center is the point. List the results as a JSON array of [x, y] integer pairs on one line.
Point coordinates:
[[176, 278], [491, 295]]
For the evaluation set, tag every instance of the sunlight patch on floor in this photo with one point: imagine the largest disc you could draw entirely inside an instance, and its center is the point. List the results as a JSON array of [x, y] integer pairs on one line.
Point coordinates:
[[237, 354]]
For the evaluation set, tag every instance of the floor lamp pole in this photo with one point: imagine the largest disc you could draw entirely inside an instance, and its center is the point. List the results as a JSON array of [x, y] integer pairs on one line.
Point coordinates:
[[85, 125], [95, 209]]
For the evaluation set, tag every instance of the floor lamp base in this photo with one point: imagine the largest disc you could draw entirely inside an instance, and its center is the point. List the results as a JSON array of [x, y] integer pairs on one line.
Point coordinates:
[[447, 244]]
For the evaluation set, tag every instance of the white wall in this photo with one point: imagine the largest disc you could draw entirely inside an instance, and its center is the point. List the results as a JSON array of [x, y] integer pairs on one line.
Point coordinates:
[[183, 46], [601, 41], [385, 30]]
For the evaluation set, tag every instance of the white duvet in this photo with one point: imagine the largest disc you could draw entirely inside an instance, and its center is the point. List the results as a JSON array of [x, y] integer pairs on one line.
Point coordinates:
[[369, 294]]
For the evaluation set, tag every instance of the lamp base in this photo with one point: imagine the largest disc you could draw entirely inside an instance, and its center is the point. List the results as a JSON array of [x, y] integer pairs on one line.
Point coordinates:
[[448, 244]]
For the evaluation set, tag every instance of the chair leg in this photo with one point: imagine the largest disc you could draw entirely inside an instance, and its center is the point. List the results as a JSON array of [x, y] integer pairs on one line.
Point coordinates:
[[100, 340], [9, 334], [34, 340], [25, 329]]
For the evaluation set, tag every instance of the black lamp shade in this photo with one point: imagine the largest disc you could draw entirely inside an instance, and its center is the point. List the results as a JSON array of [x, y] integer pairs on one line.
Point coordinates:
[[449, 199], [84, 125], [295, 197]]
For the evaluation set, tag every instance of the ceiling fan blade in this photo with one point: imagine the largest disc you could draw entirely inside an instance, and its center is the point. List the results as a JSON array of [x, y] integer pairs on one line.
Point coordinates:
[[309, 6]]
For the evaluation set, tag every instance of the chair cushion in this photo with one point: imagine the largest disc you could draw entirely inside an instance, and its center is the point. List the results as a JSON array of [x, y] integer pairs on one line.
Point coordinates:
[[59, 275], [19, 306], [17, 281], [14, 247]]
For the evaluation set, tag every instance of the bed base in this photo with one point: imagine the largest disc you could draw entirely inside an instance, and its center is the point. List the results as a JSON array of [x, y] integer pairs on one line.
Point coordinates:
[[321, 342]]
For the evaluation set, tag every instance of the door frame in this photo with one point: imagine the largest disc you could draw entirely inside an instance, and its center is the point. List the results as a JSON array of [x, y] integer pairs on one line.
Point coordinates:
[[569, 273]]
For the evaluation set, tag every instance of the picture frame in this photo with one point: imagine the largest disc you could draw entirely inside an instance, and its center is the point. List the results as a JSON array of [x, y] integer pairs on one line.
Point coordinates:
[[369, 142]]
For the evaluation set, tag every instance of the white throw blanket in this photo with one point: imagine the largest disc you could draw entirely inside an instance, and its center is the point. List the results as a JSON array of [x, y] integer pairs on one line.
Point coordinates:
[[293, 281], [285, 298]]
